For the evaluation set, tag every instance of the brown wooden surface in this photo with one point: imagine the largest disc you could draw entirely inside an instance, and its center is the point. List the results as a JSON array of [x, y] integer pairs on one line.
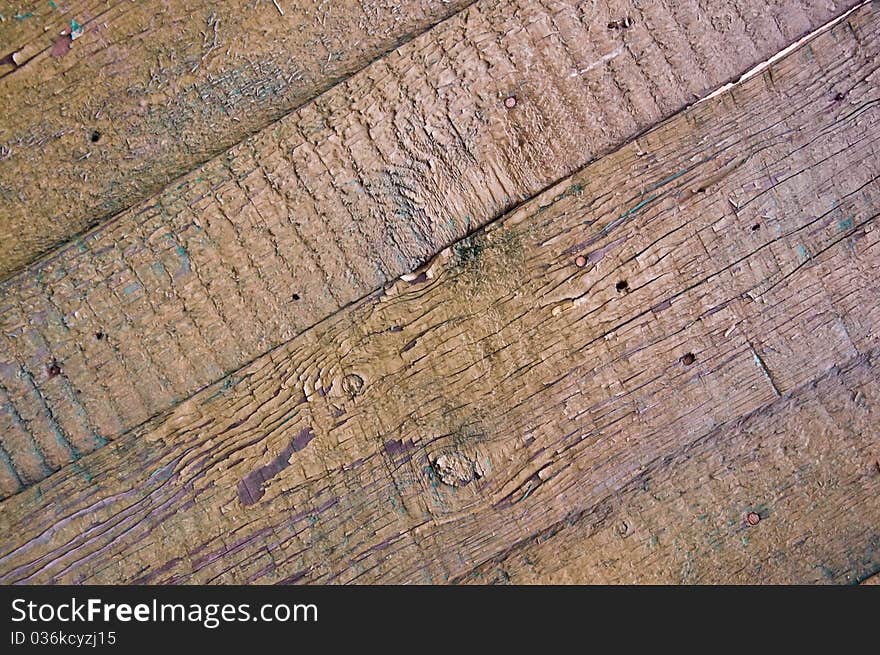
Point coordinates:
[[344, 195], [164, 86], [806, 465], [430, 431]]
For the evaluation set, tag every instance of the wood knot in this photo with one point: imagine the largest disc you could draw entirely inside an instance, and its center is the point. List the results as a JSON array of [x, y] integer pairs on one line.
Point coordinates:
[[456, 470], [353, 384]]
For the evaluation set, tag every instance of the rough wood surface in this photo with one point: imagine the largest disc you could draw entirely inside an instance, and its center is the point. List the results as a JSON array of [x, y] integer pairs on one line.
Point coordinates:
[[106, 102], [342, 196], [789, 495], [516, 380]]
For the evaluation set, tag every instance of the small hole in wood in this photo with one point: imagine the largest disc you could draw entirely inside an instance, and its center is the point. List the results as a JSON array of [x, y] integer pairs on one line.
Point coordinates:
[[96, 136], [756, 227], [295, 296], [687, 359], [839, 96], [100, 336], [621, 286], [53, 369]]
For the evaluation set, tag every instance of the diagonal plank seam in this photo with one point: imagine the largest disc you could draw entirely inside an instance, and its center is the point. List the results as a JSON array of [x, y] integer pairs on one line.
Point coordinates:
[[579, 515], [262, 423], [127, 411], [36, 240]]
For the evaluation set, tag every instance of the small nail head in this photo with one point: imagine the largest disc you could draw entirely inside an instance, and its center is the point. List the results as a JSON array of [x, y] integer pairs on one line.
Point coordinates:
[[581, 261], [510, 102], [753, 518]]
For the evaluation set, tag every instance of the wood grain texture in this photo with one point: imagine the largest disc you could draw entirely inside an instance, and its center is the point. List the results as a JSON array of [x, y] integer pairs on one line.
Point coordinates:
[[516, 381], [106, 102], [342, 196], [806, 466]]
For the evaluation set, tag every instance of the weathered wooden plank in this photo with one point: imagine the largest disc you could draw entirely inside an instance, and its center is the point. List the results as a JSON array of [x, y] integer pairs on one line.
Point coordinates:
[[516, 379], [106, 102], [347, 193], [787, 496]]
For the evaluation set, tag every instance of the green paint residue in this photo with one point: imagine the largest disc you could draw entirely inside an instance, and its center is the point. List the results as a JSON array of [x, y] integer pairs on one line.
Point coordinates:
[[644, 202], [227, 385], [468, 250], [160, 474], [845, 224], [666, 180], [76, 29], [23, 16], [802, 252], [83, 472], [53, 5], [574, 189], [432, 478]]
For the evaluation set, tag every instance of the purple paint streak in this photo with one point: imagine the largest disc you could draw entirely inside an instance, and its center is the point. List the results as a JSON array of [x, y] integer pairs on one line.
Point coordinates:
[[250, 489], [396, 447]]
